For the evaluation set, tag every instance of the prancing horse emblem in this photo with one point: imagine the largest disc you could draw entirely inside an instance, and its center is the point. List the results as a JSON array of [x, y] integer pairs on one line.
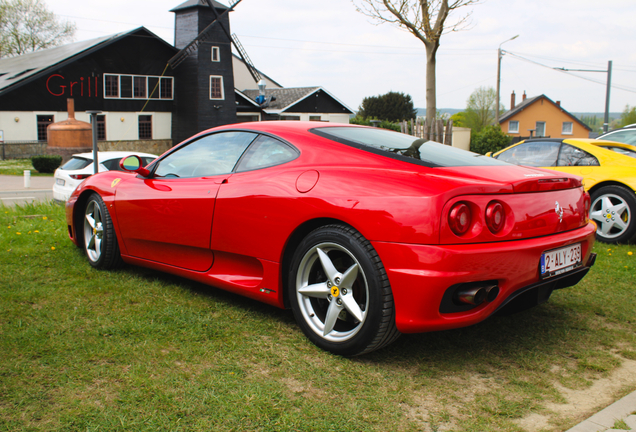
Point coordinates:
[[559, 211]]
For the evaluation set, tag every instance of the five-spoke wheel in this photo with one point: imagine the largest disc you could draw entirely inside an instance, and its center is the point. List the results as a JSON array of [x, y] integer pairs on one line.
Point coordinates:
[[100, 242], [339, 292], [614, 211]]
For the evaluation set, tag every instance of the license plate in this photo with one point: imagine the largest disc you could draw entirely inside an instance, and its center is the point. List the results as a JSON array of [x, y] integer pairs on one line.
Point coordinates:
[[558, 261], [60, 182]]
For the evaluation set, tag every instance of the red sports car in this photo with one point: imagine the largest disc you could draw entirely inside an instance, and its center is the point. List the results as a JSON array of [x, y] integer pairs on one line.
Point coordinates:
[[364, 233]]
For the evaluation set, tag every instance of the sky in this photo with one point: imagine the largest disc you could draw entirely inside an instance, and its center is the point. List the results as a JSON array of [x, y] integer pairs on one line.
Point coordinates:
[[301, 43]]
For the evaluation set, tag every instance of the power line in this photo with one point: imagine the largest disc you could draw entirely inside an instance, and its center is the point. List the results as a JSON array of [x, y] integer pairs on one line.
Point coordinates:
[[616, 86]]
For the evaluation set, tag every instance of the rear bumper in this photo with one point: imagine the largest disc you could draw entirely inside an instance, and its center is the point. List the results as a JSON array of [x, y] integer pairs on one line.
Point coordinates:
[[420, 275]]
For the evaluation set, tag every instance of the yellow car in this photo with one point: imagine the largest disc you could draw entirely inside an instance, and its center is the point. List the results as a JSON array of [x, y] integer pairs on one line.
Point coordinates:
[[608, 169]]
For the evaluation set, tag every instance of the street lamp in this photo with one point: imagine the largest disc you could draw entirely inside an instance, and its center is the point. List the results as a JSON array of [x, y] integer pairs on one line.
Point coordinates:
[[499, 56]]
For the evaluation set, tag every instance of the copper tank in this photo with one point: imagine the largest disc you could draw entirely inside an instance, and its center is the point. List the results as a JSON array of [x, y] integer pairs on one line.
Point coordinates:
[[70, 132]]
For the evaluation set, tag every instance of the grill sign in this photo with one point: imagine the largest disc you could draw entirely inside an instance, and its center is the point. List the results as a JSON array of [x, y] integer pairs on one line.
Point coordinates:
[[559, 261]]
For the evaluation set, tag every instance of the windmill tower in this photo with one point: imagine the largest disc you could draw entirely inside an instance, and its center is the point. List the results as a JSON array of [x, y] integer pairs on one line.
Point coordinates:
[[204, 76]]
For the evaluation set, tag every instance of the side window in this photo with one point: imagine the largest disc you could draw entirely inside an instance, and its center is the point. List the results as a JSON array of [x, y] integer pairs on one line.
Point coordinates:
[[266, 152], [572, 156], [534, 154], [209, 155], [112, 164]]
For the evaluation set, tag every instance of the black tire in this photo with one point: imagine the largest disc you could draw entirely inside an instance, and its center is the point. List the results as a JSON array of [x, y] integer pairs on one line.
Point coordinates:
[[99, 239], [614, 211], [335, 275]]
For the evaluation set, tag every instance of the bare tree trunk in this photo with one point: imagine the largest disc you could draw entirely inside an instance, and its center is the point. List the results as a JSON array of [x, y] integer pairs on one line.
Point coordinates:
[[431, 101]]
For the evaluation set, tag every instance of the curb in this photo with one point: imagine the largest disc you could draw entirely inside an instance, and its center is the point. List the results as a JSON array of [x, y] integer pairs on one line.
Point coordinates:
[[604, 420]]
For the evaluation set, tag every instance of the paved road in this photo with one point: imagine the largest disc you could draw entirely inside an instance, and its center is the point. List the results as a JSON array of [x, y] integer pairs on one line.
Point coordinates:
[[12, 190]]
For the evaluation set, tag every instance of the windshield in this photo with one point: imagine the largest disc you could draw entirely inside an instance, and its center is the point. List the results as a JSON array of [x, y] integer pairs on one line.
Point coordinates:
[[405, 147]]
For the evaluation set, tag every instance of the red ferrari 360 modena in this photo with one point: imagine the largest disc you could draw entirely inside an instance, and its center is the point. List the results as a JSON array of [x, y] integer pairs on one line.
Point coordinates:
[[364, 233]]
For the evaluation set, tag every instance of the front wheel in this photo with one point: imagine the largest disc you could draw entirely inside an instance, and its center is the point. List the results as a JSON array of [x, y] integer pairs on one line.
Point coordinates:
[[614, 211], [100, 241], [340, 293]]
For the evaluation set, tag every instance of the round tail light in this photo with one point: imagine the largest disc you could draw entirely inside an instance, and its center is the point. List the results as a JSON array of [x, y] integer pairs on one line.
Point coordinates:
[[495, 217], [459, 218]]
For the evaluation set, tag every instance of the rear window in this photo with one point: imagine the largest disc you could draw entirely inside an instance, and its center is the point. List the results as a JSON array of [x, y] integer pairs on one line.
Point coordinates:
[[623, 151], [405, 147], [76, 163]]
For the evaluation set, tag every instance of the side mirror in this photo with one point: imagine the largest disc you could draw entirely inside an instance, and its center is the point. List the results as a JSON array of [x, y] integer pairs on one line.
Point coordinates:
[[133, 163], [489, 154]]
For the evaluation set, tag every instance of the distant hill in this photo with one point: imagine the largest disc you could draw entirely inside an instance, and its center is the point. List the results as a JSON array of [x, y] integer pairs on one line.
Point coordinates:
[[421, 112], [612, 115]]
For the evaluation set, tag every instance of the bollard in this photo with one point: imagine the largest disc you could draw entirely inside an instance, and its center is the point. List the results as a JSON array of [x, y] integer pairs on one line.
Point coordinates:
[[27, 179]]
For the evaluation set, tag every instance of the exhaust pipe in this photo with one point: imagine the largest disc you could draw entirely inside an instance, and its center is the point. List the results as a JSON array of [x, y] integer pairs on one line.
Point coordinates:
[[476, 295]]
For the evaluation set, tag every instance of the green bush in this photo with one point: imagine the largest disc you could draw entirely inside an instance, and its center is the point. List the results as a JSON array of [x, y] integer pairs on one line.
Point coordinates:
[[490, 139], [46, 163], [384, 124]]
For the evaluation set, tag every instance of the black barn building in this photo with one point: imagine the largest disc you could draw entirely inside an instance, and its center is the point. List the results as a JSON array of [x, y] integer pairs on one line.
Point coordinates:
[[127, 76]]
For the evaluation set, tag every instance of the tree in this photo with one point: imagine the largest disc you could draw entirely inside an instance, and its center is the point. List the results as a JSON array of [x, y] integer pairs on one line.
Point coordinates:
[[424, 19], [490, 139], [628, 117], [392, 106], [27, 26], [480, 109]]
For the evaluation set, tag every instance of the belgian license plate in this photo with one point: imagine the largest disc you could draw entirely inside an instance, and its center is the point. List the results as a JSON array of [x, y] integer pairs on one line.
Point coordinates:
[[558, 261], [60, 182]]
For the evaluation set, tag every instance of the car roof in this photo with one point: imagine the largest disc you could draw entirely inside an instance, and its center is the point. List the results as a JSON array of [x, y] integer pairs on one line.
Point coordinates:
[[112, 154]]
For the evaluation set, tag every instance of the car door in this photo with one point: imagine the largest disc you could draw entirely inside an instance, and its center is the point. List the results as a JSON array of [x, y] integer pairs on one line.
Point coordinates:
[[167, 217]]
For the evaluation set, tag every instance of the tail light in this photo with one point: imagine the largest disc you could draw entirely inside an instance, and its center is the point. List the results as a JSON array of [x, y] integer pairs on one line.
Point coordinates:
[[495, 216], [79, 176], [459, 218], [587, 203]]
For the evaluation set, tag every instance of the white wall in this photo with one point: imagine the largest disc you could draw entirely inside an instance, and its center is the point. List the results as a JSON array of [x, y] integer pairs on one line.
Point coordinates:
[[243, 79], [25, 129], [333, 118]]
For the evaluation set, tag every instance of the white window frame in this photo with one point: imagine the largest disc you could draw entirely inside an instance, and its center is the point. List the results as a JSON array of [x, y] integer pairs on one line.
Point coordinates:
[[148, 89], [217, 50], [570, 132], [222, 91], [510, 129]]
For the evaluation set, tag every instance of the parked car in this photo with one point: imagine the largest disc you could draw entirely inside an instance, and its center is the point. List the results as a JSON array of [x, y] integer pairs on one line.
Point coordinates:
[[364, 233], [609, 172], [626, 135], [80, 166]]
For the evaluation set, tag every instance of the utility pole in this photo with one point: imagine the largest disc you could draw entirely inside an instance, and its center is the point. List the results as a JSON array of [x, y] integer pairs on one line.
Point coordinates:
[[499, 56], [607, 90]]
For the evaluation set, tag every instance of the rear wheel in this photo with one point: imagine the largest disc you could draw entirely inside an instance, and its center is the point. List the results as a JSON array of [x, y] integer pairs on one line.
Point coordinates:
[[100, 241], [340, 293], [614, 211]]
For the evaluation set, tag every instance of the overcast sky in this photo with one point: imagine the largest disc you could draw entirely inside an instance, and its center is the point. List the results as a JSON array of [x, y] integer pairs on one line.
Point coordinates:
[[327, 43]]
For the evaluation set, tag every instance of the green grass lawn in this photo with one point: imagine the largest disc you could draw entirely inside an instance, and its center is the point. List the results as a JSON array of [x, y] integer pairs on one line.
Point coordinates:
[[17, 167], [139, 350]]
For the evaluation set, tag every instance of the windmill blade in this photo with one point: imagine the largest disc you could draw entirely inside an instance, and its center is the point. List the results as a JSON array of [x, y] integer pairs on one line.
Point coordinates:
[[179, 57], [250, 66], [239, 47]]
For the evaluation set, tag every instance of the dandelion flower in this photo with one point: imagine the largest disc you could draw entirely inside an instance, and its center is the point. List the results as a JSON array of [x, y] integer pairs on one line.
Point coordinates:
[[18, 233], [52, 247], [36, 231], [44, 218], [630, 253]]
